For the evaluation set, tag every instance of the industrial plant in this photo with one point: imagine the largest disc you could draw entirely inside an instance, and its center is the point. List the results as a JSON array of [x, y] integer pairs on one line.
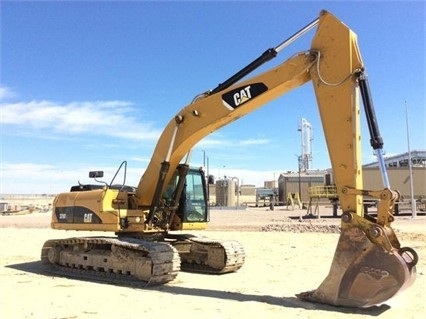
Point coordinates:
[[307, 187]]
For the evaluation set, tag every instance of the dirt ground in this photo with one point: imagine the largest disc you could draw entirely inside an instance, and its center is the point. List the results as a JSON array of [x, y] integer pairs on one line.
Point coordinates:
[[283, 258]]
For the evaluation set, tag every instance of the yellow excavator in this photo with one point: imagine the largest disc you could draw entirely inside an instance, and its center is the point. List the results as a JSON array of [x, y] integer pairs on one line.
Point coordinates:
[[369, 265]]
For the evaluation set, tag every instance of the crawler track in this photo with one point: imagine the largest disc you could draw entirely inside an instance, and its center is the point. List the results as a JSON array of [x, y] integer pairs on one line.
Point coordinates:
[[205, 255], [124, 260]]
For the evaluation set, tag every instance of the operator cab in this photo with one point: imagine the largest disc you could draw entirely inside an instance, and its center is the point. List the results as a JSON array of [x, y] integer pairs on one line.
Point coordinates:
[[193, 200]]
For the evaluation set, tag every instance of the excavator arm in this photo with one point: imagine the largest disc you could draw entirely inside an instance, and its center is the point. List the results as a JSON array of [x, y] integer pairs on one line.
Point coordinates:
[[369, 265]]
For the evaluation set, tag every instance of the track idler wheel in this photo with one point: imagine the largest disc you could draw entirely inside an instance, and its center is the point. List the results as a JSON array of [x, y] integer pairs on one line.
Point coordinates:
[[364, 274]]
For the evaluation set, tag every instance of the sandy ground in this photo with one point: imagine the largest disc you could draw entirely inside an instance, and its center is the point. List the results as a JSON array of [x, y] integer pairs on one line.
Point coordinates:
[[278, 266]]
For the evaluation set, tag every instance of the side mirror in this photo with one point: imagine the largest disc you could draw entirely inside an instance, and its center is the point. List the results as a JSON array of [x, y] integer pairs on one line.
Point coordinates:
[[96, 174]]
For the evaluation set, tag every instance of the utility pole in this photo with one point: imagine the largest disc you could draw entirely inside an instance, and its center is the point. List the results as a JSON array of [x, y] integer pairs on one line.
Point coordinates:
[[413, 201]]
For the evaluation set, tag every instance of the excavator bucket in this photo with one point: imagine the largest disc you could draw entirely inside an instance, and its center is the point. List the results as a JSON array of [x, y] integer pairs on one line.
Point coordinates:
[[362, 273]]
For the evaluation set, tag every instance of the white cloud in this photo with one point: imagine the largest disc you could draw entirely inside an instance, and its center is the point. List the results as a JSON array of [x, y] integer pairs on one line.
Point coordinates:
[[141, 159], [33, 178], [224, 141], [24, 178], [6, 92], [110, 118], [255, 141], [214, 142]]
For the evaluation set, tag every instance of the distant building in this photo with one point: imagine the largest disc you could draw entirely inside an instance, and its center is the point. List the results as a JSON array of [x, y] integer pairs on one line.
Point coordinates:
[[295, 182], [3, 207], [418, 159], [399, 179], [399, 174], [226, 192], [397, 170], [270, 184]]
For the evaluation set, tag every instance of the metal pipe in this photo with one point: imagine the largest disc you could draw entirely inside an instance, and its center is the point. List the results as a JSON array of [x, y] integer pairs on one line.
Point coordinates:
[[382, 166], [297, 35], [265, 57], [188, 157], [172, 143], [376, 140], [410, 164], [164, 169]]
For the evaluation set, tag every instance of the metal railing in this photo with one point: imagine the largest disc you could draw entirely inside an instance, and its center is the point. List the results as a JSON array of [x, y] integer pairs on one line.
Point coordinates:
[[323, 192]]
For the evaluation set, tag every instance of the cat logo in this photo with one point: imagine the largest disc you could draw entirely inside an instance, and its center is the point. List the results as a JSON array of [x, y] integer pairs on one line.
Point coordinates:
[[87, 217], [236, 97], [242, 96]]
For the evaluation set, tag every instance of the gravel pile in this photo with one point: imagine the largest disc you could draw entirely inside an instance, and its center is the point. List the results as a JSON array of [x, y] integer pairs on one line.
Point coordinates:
[[302, 228]]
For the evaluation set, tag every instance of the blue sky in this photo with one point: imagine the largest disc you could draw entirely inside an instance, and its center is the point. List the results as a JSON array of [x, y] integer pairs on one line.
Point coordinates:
[[86, 85]]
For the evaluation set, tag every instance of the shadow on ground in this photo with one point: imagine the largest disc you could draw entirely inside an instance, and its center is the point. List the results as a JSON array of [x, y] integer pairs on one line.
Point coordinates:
[[36, 267]]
